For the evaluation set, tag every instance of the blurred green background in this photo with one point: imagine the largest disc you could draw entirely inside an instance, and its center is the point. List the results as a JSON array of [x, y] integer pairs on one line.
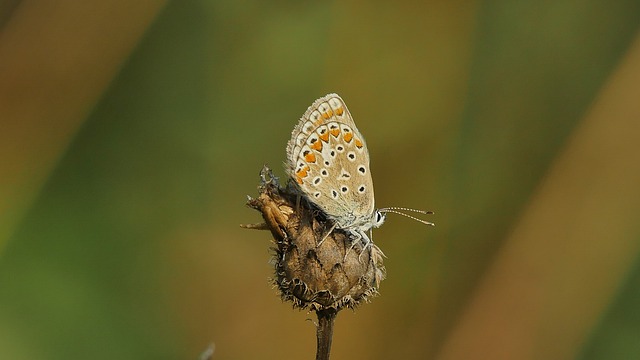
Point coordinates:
[[126, 169]]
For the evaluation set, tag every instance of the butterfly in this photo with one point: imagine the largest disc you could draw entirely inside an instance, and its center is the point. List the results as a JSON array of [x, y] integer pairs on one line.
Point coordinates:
[[328, 160]]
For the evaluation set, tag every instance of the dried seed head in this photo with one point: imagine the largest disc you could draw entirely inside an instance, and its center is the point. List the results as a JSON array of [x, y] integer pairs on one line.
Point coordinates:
[[309, 271]]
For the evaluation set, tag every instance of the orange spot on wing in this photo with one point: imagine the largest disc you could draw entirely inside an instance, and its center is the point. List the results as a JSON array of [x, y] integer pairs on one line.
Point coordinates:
[[359, 144], [348, 136], [325, 137], [310, 157], [302, 173], [340, 110], [335, 132], [317, 146], [299, 180], [328, 114]]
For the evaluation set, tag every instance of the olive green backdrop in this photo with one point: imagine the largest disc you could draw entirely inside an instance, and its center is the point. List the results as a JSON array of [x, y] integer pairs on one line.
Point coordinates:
[[125, 243]]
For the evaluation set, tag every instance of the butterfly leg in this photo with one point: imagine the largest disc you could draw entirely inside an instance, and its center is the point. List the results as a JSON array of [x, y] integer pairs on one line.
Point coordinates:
[[353, 243], [367, 242], [327, 234]]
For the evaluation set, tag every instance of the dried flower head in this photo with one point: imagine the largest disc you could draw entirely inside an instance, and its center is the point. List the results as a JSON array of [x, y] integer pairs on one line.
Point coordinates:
[[315, 267]]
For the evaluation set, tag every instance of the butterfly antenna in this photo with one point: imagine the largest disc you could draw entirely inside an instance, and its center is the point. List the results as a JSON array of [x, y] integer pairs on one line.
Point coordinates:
[[396, 210], [407, 209]]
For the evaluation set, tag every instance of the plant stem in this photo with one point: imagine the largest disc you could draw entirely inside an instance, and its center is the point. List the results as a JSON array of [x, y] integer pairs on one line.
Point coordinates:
[[324, 332]]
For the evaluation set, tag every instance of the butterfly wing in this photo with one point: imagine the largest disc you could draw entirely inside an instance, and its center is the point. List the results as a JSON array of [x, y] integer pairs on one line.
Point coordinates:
[[328, 160]]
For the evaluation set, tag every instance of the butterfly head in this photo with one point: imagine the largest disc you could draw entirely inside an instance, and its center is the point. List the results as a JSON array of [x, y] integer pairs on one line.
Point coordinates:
[[378, 218]]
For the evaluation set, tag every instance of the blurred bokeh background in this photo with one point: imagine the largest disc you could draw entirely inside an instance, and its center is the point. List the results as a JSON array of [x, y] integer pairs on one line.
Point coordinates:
[[131, 133]]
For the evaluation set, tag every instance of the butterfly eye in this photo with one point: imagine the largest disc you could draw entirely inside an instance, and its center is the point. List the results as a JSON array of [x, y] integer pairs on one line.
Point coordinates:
[[380, 217]]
